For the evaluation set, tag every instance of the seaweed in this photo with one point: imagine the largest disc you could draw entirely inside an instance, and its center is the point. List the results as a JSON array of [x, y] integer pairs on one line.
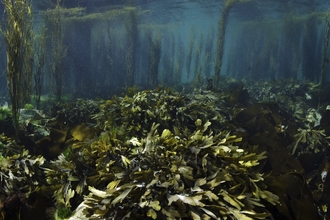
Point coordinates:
[[310, 140], [165, 176], [162, 154], [18, 37]]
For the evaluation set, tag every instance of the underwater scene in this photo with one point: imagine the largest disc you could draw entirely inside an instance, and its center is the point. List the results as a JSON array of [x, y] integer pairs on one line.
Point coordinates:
[[164, 109]]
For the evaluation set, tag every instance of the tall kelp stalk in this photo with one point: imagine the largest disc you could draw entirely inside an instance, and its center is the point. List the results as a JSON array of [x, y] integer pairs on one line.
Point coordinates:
[[292, 28], [53, 23], [221, 37], [109, 55], [170, 58], [154, 53], [190, 50], [132, 31], [18, 36], [80, 33], [39, 48], [178, 65], [197, 61], [311, 47], [104, 35], [201, 61], [167, 67], [209, 44], [325, 58]]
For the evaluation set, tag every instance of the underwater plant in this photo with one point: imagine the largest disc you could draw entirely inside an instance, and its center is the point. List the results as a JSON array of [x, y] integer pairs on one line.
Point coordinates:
[[53, 23], [190, 50], [170, 109], [178, 65], [21, 175], [154, 54], [310, 140], [167, 176], [132, 33], [80, 111], [28, 106], [161, 154], [325, 54], [39, 48], [6, 121], [199, 66], [18, 35], [223, 21]]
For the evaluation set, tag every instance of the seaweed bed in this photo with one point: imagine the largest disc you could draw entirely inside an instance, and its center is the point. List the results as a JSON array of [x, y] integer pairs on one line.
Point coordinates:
[[246, 151]]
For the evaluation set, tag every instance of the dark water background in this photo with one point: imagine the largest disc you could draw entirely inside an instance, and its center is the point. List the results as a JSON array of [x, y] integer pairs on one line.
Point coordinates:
[[264, 40]]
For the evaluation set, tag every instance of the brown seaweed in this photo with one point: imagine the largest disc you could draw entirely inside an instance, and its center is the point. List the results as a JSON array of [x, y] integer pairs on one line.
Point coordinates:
[[161, 154]]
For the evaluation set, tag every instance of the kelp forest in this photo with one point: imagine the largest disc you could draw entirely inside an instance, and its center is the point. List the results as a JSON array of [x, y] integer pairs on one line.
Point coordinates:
[[164, 110]]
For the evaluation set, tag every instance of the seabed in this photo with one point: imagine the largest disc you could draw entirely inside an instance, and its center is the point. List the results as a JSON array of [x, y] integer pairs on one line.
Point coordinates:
[[250, 150]]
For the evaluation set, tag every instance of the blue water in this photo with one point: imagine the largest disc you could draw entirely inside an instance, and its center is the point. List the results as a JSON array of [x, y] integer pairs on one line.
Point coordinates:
[[263, 40]]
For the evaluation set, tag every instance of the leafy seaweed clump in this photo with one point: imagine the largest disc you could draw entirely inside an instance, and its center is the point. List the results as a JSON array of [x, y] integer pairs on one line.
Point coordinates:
[[19, 171], [169, 176], [76, 112], [161, 154], [170, 109], [310, 140], [63, 213], [21, 176], [6, 121]]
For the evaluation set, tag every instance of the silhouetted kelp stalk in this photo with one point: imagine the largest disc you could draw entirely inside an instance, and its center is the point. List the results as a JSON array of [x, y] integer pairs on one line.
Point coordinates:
[[190, 50], [325, 59], [131, 25], [198, 54], [53, 22], [39, 48], [166, 71], [221, 37], [154, 53], [202, 60], [121, 34], [18, 36], [171, 57], [178, 66], [109, 53]]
